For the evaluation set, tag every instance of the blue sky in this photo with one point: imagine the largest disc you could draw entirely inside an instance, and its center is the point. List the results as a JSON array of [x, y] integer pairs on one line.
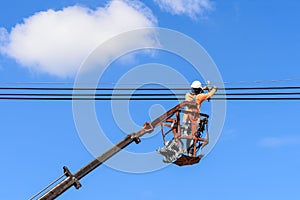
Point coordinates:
[[257, 155]]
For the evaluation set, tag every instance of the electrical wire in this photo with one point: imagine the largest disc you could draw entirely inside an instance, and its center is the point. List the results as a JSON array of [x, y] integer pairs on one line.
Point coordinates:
[[116, 83], [146, 99], [89, 95], [145, 89], [47, 187], [148, 94], [160, 94]]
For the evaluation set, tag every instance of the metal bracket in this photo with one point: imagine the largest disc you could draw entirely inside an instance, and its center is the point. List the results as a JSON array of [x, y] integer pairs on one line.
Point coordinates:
[[67, 172], [137, 140]]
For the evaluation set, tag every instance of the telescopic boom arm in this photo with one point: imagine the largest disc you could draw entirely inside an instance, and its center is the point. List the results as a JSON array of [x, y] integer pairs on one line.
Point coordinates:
[[73, 179]]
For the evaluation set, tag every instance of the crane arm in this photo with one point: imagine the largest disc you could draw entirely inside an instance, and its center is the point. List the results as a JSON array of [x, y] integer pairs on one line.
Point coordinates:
[[73, 179]]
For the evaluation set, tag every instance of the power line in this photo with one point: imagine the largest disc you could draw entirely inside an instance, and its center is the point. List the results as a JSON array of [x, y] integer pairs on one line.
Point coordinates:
[[262, 81], [87, 98], [116, 83], [144, 89], [143, 99], [153, 93], [262, 88], [147, 94], [88, 88], [90, 95]]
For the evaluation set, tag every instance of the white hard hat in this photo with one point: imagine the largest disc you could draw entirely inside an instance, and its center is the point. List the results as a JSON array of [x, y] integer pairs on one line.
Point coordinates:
[[196, 84]]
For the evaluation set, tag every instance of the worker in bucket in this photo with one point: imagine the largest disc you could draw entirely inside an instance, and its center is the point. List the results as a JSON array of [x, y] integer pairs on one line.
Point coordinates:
[[197, 94]]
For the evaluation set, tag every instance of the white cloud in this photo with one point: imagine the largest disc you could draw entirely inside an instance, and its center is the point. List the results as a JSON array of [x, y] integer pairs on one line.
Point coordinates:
[[56, 42], [3, 35], [280, 141], [192, 8]]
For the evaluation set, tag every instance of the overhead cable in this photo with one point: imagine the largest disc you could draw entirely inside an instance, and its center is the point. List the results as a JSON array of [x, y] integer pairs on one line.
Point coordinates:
[[145, 99], [145, 89], [117, 83], [153, 93]]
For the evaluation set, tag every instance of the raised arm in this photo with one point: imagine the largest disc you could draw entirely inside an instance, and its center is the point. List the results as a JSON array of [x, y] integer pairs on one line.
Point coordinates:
[[204, 96], [211, 92]]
